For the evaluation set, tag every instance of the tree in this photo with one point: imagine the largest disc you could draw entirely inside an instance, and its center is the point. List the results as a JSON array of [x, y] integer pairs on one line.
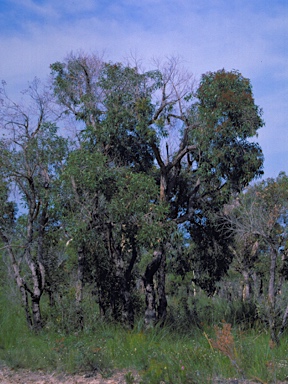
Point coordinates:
[[129, 115], [114, 142], [214, 157], [260, 216], [31, 158], [109, 213]]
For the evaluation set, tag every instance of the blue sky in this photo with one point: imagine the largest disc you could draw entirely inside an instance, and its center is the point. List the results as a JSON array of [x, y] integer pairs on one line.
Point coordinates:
[[248, 35]]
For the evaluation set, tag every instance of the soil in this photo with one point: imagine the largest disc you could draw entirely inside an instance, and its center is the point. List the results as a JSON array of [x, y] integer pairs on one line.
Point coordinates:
[[10, 376]]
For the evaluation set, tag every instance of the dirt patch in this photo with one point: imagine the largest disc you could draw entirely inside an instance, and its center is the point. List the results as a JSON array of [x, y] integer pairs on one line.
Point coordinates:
[[9, 376], [23, 376]]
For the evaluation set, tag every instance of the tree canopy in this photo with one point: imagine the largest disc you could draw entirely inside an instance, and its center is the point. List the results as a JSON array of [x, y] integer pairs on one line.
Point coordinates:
[[156, 158]]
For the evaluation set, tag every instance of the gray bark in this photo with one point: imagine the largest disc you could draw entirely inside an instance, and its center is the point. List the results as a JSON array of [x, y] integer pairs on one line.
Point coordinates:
[[162, 301], [150, 295], [247, 286], [271, 296]]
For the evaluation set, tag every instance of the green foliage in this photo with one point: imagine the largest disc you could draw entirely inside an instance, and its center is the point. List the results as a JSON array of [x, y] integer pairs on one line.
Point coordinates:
[[228, 117], [210, 254], [258, 221], [115, 103], [227, 105], [8, 209], [114, 209]]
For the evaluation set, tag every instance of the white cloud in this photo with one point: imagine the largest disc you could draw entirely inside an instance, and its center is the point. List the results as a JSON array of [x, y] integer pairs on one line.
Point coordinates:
[[46, 9]]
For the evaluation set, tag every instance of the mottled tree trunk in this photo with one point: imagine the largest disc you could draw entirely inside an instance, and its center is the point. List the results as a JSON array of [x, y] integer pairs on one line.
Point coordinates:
[[247, 286], [36, 294], [36, 311], [150, 295], [150, 300], [35, 264], [24, 294]]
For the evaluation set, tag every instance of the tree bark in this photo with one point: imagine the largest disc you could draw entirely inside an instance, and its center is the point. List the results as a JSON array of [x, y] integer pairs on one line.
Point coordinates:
[[128, 313], [271, 296], [36, 311], [247, 286], [150, 295], [162, 300], [79, 288]]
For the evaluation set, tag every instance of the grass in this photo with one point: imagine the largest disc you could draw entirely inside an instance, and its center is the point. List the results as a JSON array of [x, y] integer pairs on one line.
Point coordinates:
[[159, 355]]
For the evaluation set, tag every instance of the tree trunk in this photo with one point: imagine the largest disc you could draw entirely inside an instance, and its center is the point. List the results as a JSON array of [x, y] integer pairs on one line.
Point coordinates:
[[247, 288], [36, 292], [37, 318], [282, 271], [121, 296], [150, 295], [79, 288], [272, 272], [128, 313], [256, 286], [35, 263], [162, 300], [271, 297], [163, 185], [128, 309], [116, 273], [102, 300]]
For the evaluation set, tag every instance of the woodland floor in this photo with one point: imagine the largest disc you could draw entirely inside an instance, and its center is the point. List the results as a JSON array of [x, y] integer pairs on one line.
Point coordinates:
[[10, 376]]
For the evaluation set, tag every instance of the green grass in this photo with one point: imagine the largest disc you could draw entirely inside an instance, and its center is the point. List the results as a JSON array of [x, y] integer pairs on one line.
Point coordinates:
[[158, 355]]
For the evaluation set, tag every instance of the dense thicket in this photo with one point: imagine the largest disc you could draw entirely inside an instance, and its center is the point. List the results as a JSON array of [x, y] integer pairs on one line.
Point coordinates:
[[137, 202]]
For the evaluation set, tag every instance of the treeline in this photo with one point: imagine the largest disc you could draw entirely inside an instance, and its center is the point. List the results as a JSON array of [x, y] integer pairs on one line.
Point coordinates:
[[150, 193]]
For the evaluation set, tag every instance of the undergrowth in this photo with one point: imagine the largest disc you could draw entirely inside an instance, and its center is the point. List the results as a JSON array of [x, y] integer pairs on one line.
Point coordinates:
[[168, 354]]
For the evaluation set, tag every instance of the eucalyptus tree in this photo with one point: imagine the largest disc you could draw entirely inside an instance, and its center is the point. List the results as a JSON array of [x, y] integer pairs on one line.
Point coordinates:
[[260, 215], [110, 214], [195, 143], [32, 155], [112, 163]]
